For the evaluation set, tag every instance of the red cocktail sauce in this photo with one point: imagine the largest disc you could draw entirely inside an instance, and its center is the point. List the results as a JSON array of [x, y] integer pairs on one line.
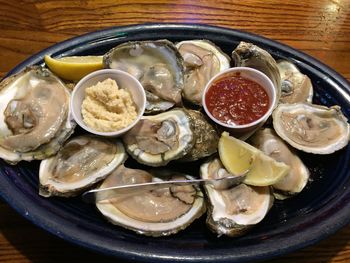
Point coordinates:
[[234, 99]]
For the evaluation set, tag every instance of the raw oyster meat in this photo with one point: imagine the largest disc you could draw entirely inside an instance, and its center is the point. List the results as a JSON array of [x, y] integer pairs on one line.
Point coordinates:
[[312, 128], [155, 104], [159, 212], [233, 211], [250, 55], [295, 87], [202, 61], [294, 182], [80, 163], [158, 139], [34, 119], [157, 65]]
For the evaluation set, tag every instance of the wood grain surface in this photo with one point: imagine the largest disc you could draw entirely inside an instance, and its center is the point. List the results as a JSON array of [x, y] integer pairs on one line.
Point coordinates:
[[319, 28]]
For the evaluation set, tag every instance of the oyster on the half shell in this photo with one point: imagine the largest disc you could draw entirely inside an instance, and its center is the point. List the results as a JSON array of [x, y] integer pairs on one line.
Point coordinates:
[[158, 139], [233, 211], [312, 128], [250, 55], [80, 163], [202, 61], [34, 115], [178, 134], [294, 182], [295, 87], [157, 65], [159, 212]]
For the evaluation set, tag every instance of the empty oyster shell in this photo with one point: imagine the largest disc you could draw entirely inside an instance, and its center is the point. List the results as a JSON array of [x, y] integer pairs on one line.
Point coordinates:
[[34, 119], [295, 87], [202, 60], [154, 213], [234, 211], [158, 139], [294, 182], [81, 162], [249, 55], [156, 64], [312, 128]]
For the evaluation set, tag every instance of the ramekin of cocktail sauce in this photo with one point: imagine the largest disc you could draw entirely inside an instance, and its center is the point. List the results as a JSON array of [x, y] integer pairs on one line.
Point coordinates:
[[239, 99]]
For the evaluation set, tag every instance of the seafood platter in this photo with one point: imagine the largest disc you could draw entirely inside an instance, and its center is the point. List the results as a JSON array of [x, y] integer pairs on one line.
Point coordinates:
[[196, 122]]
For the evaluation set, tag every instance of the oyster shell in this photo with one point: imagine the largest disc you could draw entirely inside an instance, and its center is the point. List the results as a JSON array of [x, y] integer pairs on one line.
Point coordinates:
[[250, 55], [295, 87], [154, 213], [202, 61], [34, 119], [156, 64], [155, 104], [158, 139], [80, 163], [294, 182], [312, 128], [234, 211], [206, 137]]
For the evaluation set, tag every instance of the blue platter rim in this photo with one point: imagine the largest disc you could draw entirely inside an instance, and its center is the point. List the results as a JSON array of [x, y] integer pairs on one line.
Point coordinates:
[[334, 216]]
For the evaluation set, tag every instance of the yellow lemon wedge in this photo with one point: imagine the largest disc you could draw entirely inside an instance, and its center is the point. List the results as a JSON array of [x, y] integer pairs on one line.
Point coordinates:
[[74, 68], [238, 156]]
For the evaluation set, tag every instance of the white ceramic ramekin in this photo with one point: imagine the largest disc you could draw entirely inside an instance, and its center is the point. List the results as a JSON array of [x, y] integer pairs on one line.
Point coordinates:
[[251, 74], [124, 81]]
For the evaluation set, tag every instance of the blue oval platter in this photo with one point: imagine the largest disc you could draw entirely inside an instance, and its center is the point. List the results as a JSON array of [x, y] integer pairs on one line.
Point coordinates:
[[320, 210]]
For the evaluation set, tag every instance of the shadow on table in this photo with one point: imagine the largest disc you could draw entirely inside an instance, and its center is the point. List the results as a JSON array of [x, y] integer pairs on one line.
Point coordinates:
[[28, 243], [323, 252], [38, 246]]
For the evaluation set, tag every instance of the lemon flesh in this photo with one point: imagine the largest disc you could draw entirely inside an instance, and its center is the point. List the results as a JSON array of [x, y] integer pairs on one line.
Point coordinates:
[[74, 68], [238, 156]]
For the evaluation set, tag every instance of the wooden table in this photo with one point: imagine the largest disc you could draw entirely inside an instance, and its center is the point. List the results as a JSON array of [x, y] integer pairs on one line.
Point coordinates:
[[320, 28]]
